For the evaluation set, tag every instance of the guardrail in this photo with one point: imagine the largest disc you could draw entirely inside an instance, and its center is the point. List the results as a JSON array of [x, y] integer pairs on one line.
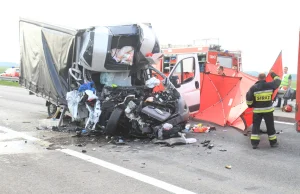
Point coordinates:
[[14, 79]]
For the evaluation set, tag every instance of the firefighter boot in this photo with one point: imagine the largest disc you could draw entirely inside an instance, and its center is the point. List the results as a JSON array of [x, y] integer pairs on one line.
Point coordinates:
[[255, 139], [273, 141]]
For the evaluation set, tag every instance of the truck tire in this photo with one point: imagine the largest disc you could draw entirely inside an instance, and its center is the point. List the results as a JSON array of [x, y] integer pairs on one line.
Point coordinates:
[[113, 121]]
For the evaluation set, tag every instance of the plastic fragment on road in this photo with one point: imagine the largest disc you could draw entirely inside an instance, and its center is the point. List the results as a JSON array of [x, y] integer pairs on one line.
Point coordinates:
[[201, 129], [228, 166], [190, 140]]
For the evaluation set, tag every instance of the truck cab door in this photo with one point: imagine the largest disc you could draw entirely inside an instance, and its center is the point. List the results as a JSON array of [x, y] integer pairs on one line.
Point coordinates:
[[185, 76]]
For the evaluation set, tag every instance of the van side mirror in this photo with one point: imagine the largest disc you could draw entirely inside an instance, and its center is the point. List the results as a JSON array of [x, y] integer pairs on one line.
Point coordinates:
[[173, 80]]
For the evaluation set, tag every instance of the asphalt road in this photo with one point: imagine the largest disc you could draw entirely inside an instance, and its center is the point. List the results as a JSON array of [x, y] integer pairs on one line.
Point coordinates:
[[27, 166]]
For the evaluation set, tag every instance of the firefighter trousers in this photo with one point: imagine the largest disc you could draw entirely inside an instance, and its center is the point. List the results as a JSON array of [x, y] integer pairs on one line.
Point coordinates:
[[269, 120]]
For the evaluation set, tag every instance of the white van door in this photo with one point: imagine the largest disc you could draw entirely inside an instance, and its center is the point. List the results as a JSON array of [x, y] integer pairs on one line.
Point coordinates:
[[185, 76]]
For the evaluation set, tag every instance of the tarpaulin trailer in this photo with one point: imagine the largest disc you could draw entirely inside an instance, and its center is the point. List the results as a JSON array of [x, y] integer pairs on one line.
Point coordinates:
[[103, 70]]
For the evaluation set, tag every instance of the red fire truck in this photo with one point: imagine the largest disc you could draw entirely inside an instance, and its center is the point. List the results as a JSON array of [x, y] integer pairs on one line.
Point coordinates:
[[208, 57]]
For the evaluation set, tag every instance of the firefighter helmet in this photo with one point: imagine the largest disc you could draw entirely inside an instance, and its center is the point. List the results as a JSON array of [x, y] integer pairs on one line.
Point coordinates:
[[288, 108]]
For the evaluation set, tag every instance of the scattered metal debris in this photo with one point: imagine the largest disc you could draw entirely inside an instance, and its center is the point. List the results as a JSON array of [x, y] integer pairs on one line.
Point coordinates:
[[205, 143]]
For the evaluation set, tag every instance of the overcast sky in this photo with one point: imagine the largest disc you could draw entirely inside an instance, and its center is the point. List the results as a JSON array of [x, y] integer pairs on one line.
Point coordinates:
[[260, 29]]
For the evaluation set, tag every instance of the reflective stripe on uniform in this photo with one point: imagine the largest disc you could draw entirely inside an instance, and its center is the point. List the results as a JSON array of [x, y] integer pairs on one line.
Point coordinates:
[[272, 137], [263, 96], [263, 110], [255, 137], [263, 91], [249, 102]]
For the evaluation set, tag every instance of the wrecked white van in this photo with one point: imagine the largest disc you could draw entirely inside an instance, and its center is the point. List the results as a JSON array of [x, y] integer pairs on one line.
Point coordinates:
[[102, 75]]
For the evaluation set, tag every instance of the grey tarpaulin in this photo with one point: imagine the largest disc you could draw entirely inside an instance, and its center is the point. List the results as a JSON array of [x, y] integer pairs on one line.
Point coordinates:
[[46, 56]]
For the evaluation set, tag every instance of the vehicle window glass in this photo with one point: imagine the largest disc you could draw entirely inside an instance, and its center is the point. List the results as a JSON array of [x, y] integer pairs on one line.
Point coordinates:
[[185, 70], [188, 66], [225, 61], [178, 72], [202, 61]]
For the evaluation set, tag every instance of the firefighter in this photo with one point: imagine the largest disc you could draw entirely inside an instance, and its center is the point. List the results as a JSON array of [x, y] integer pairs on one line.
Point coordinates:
[[220, 70], [259, 97]]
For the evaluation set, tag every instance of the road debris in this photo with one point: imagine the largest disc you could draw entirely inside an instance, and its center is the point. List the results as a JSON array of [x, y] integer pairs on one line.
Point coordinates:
[[83, 151], [228, 166], [182, 140], [80, 145], [205, 143], [222, 150], [210, 146]]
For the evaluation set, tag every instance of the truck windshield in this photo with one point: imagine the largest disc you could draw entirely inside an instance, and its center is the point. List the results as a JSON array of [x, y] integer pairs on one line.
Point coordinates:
[[225, 61]]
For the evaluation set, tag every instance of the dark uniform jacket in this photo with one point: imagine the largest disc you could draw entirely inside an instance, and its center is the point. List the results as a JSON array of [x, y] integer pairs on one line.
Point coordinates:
[[260, 94]]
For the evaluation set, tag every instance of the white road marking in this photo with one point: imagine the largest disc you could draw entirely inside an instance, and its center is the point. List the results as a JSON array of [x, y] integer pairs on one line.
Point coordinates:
[[130, 173], [286, 123], [281, 122], [127, 172]]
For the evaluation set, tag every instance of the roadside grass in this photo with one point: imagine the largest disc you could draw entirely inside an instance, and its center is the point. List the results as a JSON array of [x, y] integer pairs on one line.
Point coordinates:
[[9, 83], [2, 69], [294, 84]]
